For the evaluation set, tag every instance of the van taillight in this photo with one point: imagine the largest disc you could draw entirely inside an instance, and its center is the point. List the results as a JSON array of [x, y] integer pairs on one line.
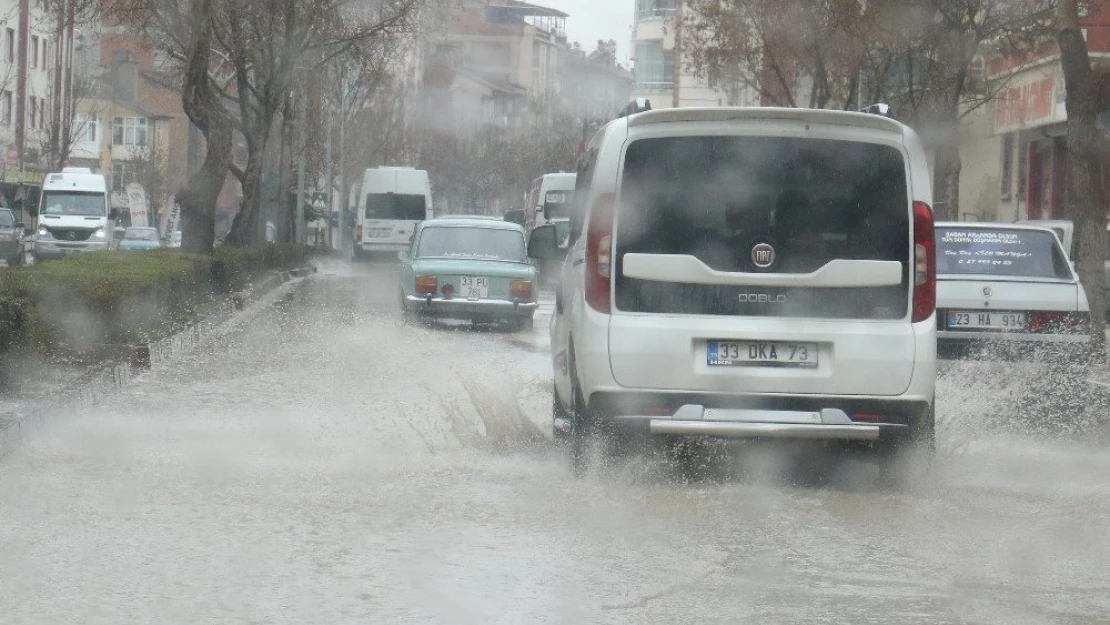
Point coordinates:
[[599, 254], [925, 263]]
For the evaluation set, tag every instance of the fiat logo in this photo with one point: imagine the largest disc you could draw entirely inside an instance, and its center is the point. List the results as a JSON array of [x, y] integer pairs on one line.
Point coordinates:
[[987, 291], [763, 255]]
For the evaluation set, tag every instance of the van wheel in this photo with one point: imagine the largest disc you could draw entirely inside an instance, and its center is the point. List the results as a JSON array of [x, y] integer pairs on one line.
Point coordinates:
[[584, 425], [911, 454], [559, 412]]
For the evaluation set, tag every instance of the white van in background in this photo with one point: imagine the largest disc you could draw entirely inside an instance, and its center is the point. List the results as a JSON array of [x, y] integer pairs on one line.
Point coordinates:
[[393, 200], [74, 214], [549, 200]]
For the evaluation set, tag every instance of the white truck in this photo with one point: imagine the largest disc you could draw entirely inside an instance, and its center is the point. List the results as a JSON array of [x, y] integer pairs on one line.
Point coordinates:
[[74, 214], [393, 200]]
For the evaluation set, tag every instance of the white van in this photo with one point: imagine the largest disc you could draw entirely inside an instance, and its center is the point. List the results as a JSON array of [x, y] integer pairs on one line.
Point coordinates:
[[549, 199], [392, 202], [74, 214], [748, 272]]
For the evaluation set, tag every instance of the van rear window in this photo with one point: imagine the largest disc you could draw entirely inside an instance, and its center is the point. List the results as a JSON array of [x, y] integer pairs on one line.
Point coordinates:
[[395, 206], [801, 202]]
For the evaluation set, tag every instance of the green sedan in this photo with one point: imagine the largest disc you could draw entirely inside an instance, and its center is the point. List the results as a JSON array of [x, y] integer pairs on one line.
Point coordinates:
[[468, 268]]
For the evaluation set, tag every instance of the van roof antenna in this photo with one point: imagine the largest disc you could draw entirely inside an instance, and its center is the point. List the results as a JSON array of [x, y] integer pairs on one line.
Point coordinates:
[[639, 105], [879, 109]]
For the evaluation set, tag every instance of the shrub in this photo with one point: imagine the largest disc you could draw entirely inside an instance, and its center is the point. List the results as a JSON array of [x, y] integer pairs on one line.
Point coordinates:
[[121, 297]]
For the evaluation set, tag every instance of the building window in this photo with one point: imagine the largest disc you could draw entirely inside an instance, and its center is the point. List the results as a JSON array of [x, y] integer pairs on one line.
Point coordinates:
[[32, 111], [34, 51], [6, 108], [9, 44], [45, 56], [654, 66], [1007, 165], [86, 131], [43, 106], [129, 131], [121, 176]]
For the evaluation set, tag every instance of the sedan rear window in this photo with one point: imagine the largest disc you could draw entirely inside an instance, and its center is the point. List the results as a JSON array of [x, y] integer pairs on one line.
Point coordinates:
[[473, 243], [6, 220], [1000, 252]]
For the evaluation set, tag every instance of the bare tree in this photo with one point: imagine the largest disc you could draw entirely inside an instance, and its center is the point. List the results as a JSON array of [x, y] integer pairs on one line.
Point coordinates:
[[271, 44], [1086, 155], [918, 55]]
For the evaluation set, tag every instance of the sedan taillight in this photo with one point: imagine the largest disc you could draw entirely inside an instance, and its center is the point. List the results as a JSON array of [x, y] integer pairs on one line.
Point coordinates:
[[520, 290], [426, 285], [1054, 322]]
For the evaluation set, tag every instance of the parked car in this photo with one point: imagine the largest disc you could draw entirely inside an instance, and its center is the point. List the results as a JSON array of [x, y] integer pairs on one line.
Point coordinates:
[[11, 238], [1065, 231], [1006, 284], [140, 239], [751, 273], [468, 268]]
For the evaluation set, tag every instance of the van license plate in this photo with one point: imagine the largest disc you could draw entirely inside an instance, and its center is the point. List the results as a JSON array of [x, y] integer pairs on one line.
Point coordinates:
[[761, 354], [380, 233]]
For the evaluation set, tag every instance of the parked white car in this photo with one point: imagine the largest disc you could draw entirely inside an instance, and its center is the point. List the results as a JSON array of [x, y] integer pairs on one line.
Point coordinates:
[[1003, 284], [748, 272]]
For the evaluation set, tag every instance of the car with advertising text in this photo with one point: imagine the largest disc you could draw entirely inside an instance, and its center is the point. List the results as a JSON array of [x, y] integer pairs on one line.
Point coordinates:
[[1005, 288]]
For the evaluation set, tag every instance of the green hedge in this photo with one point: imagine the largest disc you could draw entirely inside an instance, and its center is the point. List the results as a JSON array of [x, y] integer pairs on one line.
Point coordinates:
[[124, 297]]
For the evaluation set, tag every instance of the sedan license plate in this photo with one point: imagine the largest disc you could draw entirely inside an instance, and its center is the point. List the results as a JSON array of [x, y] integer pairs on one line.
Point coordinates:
[[473, 287], [993, 320], [761, 354]]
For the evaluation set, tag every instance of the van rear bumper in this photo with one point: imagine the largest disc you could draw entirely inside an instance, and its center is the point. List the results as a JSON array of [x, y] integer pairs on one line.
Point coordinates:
[[794, 417], [383, 246]]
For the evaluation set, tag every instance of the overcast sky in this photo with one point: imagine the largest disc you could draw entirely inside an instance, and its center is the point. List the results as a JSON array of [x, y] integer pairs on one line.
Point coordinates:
[[591, 20]]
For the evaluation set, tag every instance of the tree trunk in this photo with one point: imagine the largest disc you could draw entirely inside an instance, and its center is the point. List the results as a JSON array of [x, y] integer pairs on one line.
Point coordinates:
[[245, 225], [1087, 193], [947, 166], [198, 198]]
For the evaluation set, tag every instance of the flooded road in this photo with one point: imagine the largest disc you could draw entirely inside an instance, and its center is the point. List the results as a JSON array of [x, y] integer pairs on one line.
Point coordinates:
[[317, 461]]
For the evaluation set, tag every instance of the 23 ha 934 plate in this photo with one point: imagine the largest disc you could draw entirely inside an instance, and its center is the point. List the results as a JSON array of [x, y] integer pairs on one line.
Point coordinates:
[[762, 354], [993, 320]]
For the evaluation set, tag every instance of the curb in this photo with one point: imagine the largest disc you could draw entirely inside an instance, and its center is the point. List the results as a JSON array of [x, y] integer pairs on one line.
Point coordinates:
[[18, 418]]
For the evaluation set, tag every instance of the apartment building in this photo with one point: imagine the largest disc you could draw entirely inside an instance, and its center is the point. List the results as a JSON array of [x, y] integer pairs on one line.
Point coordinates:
[[1014, 151], [33, 70], [661, 68]]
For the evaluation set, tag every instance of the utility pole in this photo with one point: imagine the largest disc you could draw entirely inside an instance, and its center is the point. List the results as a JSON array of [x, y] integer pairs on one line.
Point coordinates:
[[329, 202], [21, 81], [299, 228], [343, 199], [676, 85], [56, 112]]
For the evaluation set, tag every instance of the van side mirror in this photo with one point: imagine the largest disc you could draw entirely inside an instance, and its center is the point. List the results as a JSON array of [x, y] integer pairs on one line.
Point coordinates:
[[542, 245], [518, 216]]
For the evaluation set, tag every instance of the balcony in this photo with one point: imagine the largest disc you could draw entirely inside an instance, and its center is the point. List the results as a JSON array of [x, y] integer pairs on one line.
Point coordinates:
[[655, 13], [641, 88]]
